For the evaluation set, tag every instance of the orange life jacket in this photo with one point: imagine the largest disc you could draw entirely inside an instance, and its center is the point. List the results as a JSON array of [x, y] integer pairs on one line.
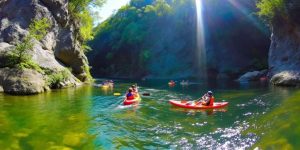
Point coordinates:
[[211, 102]]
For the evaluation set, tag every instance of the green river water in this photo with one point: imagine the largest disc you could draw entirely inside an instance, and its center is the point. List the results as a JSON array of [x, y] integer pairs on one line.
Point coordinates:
[[88, 117]]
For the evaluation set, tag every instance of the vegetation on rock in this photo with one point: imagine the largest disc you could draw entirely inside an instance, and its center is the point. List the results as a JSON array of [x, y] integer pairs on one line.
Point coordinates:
[[19, 57], [269, 8], [54, 79]]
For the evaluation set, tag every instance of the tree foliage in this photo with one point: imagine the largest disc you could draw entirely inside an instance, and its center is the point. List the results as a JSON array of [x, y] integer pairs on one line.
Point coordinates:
[[38, 28], [269, 8], [131, 40], [80, 11], [19, 56], [128, 36]]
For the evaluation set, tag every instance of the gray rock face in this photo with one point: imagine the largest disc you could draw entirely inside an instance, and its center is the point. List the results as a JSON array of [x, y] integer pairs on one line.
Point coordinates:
[[4, 49], [59, 49], [253, 76], [284, 54], [22, 82]]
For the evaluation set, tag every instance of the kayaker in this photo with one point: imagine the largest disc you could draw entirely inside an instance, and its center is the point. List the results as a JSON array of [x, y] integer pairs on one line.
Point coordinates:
[[207, 99], [171, 83], [134, 89], [130, 95]]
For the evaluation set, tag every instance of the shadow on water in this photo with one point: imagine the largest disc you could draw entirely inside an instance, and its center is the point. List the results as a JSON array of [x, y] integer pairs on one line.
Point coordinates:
[[93, 118]]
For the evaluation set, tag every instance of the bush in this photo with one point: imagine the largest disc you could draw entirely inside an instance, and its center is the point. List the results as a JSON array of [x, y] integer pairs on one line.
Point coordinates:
[[269, 8], [38, 28], [55, 78], [88, 72], [31, 65], [19, 57]]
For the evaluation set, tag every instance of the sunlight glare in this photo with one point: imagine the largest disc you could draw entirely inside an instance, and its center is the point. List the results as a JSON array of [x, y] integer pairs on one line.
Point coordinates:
[[201, 39]]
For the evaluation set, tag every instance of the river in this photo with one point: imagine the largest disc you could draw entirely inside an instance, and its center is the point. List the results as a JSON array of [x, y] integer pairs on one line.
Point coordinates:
[[89, 117]]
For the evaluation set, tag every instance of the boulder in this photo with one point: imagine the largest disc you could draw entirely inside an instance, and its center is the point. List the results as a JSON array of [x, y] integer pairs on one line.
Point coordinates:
[[286, 78], [22, 82], [13, 33], [253, 76], [68, 52]]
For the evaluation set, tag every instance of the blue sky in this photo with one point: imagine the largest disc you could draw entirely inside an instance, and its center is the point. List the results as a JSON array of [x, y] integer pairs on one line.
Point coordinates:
[[109, 8]]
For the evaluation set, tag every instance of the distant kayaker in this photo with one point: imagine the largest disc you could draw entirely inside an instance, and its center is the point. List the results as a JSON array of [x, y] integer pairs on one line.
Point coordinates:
[[130, 95], [207, 99], [171, 83]]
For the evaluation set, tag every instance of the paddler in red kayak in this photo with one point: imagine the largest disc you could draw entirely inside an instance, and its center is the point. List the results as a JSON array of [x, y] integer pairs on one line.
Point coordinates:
[[130, 94], [207, 99]]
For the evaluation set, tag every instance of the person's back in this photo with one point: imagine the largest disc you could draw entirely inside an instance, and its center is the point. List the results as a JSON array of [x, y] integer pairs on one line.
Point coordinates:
[[130, 95]]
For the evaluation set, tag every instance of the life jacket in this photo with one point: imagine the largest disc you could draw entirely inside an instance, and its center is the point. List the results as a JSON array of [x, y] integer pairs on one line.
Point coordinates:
[[211, 102], [130, 96]]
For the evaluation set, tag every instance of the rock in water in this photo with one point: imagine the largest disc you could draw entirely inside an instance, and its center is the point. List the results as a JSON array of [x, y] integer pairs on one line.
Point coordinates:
[[286, 78], [22, 82], [253, 76], [59, 49]]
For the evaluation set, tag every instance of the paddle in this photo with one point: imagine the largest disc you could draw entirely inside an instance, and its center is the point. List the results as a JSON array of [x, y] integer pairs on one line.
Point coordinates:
[[146, 94], [117, 94]]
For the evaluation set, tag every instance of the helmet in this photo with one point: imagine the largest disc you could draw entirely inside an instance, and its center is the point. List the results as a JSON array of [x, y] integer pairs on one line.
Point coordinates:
[[210, 93]]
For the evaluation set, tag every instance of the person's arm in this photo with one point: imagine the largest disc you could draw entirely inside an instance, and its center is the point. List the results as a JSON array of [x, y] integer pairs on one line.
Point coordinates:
[[207, 100]]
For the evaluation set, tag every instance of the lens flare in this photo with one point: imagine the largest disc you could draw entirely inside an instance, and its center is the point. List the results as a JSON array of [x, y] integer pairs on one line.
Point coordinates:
[[247, 13], [201, 51]]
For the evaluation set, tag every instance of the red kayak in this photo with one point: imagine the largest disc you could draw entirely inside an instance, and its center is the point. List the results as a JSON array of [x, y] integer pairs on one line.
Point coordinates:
[[134, 101], [191, 104]]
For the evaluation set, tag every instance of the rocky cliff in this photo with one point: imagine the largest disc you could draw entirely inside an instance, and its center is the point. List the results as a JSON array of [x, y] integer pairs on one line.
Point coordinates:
[[60, 48], [284, 54]]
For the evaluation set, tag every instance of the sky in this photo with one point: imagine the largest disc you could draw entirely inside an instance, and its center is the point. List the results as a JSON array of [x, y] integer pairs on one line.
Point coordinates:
[[109, 8]]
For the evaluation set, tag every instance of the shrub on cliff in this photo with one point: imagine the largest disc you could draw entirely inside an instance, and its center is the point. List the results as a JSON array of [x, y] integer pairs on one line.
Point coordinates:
[[269, 8], [19, 57], [54, 79]]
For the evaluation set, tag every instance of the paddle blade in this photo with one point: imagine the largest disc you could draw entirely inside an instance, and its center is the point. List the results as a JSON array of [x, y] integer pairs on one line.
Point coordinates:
[[146, 94], [117, 94]]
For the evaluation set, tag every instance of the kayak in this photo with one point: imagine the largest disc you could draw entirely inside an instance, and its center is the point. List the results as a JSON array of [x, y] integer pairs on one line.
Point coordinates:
[[104, 86], [191, 104], [134, 101]]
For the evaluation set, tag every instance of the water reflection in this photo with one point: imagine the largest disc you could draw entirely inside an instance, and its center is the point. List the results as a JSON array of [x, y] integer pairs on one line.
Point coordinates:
[[207, 112], [57, 119]]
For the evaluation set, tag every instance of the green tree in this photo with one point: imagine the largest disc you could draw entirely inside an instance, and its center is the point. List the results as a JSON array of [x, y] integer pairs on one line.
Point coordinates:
[[19, 56], [269, 8], [80, 11]]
